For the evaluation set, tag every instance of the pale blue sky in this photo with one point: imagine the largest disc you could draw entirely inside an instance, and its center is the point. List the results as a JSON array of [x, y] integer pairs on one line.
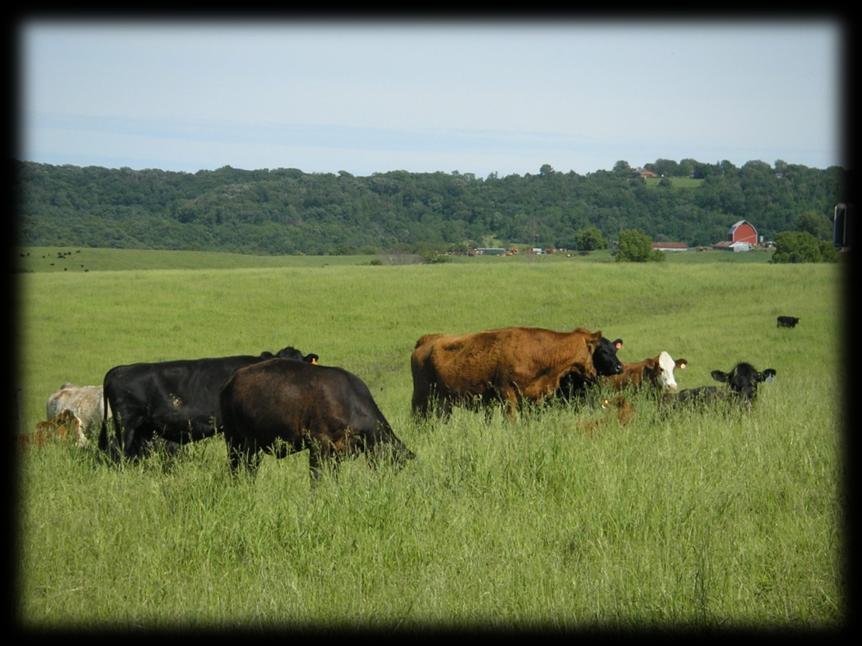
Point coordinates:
[[472, 96]]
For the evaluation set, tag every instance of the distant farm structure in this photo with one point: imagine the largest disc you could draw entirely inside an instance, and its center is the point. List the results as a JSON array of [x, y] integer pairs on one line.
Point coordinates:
[[742, 236], [670, 246]]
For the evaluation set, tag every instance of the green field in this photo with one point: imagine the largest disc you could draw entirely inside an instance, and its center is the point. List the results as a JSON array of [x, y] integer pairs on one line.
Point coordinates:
[[79, 259], [691, 519]]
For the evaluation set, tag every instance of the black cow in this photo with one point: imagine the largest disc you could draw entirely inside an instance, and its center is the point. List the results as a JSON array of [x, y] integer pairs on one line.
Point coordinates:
[[742, 381], [573, 385], [174, 400], [787, 321], [282, 407]]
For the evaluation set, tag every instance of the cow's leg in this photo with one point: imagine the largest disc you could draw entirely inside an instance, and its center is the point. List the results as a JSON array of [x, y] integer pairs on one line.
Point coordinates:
[[172, 448], [430, 401], [253, 457], [321, 452], [234, 456], [509, 396], [314, 463], [443, 406], [419, 404], [132, 439], [244, 454], [110, 444]]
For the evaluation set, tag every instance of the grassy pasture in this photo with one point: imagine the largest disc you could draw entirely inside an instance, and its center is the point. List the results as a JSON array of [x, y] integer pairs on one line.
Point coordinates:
[[45, 259], [707, 519]]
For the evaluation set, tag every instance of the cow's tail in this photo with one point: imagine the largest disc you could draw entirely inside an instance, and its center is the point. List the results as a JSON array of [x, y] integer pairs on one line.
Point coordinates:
[[103, 429]]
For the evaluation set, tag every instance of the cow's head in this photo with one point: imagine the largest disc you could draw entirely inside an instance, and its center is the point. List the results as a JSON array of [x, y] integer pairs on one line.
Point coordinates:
[[384, 446], [661, 370], [743, 379], [292, 353], [604, 353]]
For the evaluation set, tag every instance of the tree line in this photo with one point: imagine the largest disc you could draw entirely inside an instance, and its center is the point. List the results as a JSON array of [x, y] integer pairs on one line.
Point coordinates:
[[287, 211]]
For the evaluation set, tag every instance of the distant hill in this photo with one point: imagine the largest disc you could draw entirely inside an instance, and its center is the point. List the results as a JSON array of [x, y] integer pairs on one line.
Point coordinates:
[[285, 211]]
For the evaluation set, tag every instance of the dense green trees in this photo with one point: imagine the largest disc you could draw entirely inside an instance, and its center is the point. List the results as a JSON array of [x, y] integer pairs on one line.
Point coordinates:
[[289, 211], [815, 224]]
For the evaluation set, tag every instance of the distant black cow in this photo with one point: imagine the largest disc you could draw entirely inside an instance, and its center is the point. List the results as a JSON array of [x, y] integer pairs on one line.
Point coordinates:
[[282, 407], [787, 321], [174, 400], [742, 381]]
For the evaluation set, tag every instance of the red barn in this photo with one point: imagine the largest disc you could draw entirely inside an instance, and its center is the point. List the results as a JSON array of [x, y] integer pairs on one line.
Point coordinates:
[[743, 231]]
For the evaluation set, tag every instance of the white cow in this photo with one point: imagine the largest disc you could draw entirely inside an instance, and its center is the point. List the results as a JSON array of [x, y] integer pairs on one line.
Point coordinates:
[[657, 371], [85, 403]]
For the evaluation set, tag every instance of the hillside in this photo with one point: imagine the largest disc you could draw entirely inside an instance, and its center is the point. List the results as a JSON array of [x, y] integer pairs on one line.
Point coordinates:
[[286, 211]]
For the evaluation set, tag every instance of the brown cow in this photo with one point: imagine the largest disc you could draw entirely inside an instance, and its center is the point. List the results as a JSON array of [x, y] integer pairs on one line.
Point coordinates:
[[657, 371], [509, 364], [63, 427]]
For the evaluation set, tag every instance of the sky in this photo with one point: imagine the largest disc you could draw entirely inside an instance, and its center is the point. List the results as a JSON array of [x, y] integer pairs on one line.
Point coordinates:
[[470, 96]]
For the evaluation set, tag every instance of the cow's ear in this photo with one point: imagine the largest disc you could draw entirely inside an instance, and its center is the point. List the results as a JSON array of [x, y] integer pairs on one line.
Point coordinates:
[[718, 375], [593, 339], [767, 375], [681, 363]]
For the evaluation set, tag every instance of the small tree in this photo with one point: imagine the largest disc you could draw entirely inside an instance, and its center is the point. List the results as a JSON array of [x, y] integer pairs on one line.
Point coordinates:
[[801, 246], [589, 239], [636, 246]]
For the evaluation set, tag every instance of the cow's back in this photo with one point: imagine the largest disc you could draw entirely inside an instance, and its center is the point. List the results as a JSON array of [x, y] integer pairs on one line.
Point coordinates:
[[451, 363], [522, 354], [283, 398], [85, 402], [535, 359], [194, 382], [178, 400], [509, 362]]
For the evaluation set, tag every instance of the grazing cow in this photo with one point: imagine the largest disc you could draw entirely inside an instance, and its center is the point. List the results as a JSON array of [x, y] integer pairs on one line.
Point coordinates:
[[657, 371], [787, 321], [85, 402], [508, 364], [281, 407], [174, 400], [63, 427], [742, 383]]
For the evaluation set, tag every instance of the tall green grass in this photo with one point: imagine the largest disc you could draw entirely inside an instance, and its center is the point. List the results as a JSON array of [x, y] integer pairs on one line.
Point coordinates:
[[705, 518]]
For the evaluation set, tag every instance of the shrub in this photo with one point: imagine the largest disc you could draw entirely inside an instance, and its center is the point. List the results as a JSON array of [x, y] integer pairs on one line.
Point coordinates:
[[636, 246], [801, 246]]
